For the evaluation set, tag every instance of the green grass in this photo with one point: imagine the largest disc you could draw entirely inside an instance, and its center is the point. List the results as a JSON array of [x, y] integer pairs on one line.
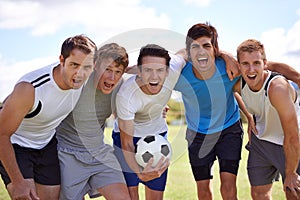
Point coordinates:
[[180, 184]]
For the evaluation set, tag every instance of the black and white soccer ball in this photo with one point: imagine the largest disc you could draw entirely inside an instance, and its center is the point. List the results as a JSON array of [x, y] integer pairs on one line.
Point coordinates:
[[154, 146]]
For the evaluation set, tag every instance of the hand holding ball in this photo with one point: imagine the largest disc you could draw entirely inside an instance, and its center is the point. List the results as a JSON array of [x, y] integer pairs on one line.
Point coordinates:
[[154, 146]]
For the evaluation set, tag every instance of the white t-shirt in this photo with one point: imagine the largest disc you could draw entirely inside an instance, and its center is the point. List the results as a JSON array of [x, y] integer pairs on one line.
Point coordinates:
[[146, 110], [51, 106]]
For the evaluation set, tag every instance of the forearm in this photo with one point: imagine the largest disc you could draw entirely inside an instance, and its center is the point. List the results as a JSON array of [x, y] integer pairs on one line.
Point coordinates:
[[8, 159], [128, 148], [232, 68], [292, 154], [129, 152], [284, 69], [242, 106]]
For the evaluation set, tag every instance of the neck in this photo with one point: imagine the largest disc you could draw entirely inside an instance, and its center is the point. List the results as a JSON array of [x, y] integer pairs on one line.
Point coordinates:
[[204, 75]]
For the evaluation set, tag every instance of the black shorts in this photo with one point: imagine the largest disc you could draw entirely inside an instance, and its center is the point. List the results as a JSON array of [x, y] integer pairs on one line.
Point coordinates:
[[205, 148], [42, 165]]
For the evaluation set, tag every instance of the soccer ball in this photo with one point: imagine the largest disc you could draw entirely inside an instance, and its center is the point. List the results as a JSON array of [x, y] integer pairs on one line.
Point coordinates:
[[154, 146]]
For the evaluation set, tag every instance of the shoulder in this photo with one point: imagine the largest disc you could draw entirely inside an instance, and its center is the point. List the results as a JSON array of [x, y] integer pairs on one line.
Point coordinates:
[[279, 90], [22, 97], [177, 62], [128, 87], [42, 74]]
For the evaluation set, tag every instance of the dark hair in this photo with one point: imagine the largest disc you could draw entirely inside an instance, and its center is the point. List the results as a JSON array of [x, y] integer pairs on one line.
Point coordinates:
[[114, 51], [81, 42], [153, 50], [200, 30]]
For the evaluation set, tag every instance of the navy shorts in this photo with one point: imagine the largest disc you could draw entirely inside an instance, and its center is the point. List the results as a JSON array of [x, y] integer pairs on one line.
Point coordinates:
[[205, 148], [42, 165], [131, 178]]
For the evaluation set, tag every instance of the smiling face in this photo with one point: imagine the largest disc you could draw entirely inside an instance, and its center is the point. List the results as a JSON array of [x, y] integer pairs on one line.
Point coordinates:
[[202, 57], [107, 75], [152, 74], [75, 69], [252, 69]]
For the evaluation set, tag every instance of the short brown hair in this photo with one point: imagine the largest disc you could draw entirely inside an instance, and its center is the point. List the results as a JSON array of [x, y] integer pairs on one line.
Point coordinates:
[[153, 50], [114, 51], [81, 42], [251, 45]]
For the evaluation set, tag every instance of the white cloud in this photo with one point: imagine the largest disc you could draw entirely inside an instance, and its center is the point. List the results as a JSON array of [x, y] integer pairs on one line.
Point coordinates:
[[200, 3], [283, 45], [46, 17]]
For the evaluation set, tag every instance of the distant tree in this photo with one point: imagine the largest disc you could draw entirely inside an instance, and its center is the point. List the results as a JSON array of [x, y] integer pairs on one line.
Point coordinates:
[[176, 111]]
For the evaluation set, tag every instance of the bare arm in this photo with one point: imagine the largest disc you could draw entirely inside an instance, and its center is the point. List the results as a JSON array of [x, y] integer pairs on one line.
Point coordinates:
[[242, 106], [284, 69], [183, 53], [149, 172], [282, 97], [232, 68], [249, 116], [16, 106]]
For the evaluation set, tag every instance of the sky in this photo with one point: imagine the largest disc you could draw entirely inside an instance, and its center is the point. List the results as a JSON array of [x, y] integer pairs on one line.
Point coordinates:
[[32, 31]]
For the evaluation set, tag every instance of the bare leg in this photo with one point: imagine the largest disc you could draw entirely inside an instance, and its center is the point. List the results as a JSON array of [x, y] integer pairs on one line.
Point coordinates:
[[46, 192], [263, 192], [117, 191], [228, 186], [204, 190], [134, 192], [153, 194]]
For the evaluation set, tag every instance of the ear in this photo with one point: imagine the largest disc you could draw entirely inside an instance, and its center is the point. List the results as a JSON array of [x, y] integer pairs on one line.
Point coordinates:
[[265, 62], [61, 60], [168, 69], [139, 72]]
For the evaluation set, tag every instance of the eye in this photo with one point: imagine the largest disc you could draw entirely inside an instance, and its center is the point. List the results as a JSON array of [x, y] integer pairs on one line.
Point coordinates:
[[194, 46], [257, 63], [119, 72], [207, 46], [161, 70], [88, 67], [147, 70], [244, 64], [74, 65]]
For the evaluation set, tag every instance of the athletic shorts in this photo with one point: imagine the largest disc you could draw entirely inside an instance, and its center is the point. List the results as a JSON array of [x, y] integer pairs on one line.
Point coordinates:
[[42, 165], [205, 148], [266, 161], [84, 173], [131, 178]]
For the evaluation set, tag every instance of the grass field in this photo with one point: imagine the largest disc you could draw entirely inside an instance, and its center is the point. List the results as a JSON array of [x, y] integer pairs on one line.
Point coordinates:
[[180, 184]]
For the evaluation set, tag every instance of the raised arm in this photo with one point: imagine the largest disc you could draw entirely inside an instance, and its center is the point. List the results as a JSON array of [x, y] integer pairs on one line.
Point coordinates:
[[232, 68], [14, 109], [286, 70], [282, 97]]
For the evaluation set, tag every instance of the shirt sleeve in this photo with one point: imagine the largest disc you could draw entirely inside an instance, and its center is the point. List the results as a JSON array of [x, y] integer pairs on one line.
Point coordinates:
[[124, 107]]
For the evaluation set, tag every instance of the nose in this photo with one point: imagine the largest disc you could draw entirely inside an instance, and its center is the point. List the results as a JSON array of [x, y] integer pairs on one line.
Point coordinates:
[[112, 76], [251, 68], [80, 71], [201, 50], [154, 74]]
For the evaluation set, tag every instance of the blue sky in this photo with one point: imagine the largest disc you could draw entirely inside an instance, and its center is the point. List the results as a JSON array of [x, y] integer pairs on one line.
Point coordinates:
[[31, 32]]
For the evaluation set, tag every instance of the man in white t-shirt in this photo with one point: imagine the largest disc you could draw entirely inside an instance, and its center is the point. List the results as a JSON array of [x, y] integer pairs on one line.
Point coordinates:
[[39, 102], [140, 102]]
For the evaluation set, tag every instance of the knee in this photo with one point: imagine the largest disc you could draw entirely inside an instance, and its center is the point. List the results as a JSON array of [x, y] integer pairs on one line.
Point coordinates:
[[204, 192], [260, 194]]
